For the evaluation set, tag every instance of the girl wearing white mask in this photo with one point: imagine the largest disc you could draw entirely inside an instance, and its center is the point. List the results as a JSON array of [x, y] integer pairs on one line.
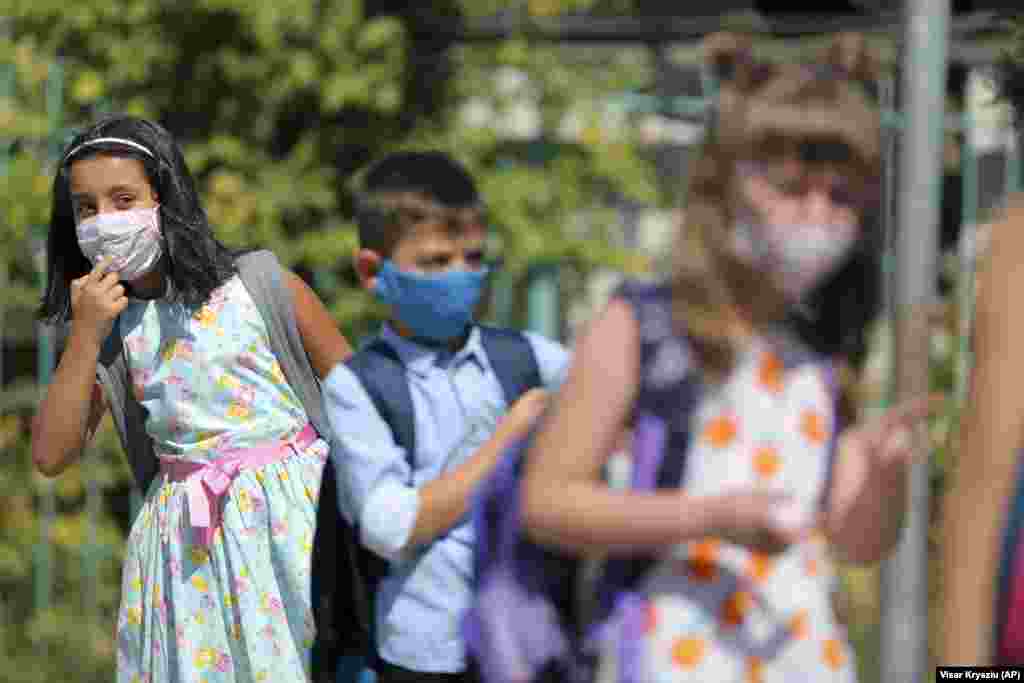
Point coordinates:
[[775, 279], [216, 575]]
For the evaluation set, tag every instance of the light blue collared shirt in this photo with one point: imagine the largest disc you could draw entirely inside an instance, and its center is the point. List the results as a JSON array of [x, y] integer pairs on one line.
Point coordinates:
[[457, 402]]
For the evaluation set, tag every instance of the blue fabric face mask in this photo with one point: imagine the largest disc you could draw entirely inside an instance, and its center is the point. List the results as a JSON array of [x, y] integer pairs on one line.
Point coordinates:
[[436, 308]]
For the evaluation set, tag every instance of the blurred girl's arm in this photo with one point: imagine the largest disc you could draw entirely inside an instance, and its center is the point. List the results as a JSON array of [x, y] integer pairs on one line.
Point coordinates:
[[564, 500]]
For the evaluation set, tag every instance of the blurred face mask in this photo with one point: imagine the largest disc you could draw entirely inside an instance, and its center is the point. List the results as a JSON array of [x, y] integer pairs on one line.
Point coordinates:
[[130, 238], [797, 256]]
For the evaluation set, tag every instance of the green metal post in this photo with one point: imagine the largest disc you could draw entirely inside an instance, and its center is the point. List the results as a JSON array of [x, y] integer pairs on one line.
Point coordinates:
[[892, 127], [503, 298], [1013, 171], [968, 235], [6, 91], [43, 588], [542, 297]]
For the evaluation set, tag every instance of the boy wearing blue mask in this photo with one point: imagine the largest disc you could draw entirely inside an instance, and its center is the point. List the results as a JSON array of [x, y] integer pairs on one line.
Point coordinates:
[[405, 491]]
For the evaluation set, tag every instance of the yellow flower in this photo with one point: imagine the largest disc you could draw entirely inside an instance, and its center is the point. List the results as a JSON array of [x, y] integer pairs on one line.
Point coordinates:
[[239, 410], [261, 676], [283, 475], [244, 500], [134, 615], [309, 495], [204, 657], [200, 618], [259, 476], [277, 373], [206, 316], [229, 601], [199, 583], [137, 584], [200, 555]]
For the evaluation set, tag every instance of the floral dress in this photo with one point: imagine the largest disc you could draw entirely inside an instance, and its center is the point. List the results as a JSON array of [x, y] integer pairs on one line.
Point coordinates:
[[719, 612], [238, 609]]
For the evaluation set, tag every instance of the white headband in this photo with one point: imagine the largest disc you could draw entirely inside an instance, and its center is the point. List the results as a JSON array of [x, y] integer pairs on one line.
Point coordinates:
[[119, 141]]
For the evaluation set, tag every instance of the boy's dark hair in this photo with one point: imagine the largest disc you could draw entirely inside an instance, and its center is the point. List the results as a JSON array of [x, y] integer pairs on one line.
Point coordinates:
[[407, 188], [196, 262]]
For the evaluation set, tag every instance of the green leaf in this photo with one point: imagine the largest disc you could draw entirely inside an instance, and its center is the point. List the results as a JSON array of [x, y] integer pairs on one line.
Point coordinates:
[[379, 33]]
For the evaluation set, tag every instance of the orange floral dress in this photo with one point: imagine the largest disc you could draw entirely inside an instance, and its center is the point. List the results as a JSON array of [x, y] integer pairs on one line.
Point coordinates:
[[720, 613]]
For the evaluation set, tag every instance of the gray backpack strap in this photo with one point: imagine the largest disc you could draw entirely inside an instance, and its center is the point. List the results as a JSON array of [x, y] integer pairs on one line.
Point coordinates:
[[263, 276], [261, 273], [129, 415]]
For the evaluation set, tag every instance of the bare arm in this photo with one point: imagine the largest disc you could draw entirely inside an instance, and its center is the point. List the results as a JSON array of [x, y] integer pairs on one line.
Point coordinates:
[[869, 486], [990, 438], [564, 501], [73, 404], [70, 411], [324, 343]]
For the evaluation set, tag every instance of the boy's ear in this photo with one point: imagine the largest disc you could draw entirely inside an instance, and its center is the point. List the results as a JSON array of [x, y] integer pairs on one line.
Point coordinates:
[[367, 264]]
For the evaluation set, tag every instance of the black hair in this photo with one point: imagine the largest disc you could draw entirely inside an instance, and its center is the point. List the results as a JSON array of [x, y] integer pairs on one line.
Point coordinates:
[[405, 188], [195, 261], [835, 317]]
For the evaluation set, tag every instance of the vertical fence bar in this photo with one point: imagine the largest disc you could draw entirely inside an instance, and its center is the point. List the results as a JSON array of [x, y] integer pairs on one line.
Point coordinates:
[[44, 560], [966, 246], [542, 312], [1013, 171], [904, 619], [892, 129], [7, 82]]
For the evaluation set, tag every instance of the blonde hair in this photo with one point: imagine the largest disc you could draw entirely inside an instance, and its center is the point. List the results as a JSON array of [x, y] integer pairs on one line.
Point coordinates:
[[764, 113]]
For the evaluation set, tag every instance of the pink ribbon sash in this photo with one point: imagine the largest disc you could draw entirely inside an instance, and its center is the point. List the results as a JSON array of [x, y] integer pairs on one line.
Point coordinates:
[[207, 482]]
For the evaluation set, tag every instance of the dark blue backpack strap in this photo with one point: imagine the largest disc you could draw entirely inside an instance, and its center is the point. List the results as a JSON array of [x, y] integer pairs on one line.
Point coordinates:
[[382, 374], [669, 388], [513, 361], [668, 392]]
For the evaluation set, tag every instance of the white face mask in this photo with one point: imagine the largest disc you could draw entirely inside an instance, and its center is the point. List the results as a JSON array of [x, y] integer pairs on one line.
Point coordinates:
[[797, 256], [130, 238]]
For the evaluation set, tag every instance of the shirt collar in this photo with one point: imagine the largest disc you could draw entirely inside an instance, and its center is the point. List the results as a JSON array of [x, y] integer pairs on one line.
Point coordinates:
[[419, 358]]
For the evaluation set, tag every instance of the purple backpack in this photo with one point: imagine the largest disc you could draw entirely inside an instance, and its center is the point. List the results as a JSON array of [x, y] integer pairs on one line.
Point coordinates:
[[525, 625]]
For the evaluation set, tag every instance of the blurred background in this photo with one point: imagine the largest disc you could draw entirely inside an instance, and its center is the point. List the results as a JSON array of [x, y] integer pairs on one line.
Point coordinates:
[[577, 117]]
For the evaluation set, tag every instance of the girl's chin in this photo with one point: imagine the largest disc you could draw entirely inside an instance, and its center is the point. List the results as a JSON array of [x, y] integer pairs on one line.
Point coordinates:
[[142, 288]]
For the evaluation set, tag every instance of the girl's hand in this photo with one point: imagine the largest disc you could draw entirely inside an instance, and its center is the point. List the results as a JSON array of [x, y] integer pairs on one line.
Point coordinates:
[[887, 443], [765, 521], [97, 298]]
